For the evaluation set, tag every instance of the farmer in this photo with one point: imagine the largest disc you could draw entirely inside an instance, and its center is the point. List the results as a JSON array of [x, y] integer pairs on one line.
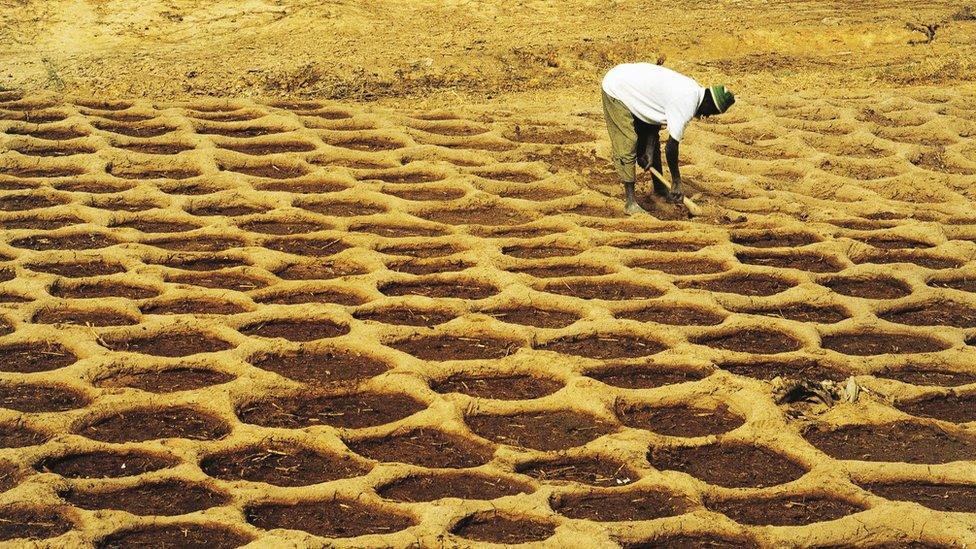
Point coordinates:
[[640, 97]]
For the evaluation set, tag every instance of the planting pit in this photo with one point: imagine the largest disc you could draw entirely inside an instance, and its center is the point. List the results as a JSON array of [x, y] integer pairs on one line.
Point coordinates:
[[282, 227], [935, 313], [105, 464], [261, 149], [880, 343], [592, 471], [33, 398], [167, 381], [296, 330], [561, 270], [425, 448], [604, 346], [645, 377], [953, 498], [752, 340], [869, 288], [31, 357], [435, 486], [440, 287], [489, 215], [99, 290], [314, 247], [33, 523], [785, 510], [167, 498], [333, 518], [514, 387], [139, 424], [732, 465], [19, 436], [82, 317], [540, 252], [893, 442], [193, 306], [322, 367], [154, 226], [679, 420], [793, 369], [456, 347], [774, 240], [929, 377], [610, 290], [950, 407], [682, 266], [200, 262], [86, 241], [532, 316], [742, 284], [338, 297], [803, 312], [182, 535], [340, 208], [621, 506], [237, 281], [281, 464], [198, 244], [318, 270], [355, 411], [153, 148], [546, 431], [495, 528], [399, 231], [809, 262], [170, 344], [406, 316], [673, 315]]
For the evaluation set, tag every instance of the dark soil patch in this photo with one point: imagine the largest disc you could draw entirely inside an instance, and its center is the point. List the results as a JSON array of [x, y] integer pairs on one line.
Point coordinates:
[[495, 528], [176, 173], [260, 149], [601, 472], [893, 243], [533, 316], [337, 297], [21, 202], [561, 136], [401, 177], [78, 269], [490, 215], [681, 266], [540, 252], [695, 541], [515, 387], [785, 510], [19, 436], [803, 312], [561, 270], [339, 208], [435, 486], [546, 431], [438, 287], [753, 340], [355, 411], [604, 346], [645, 377], [522, 231], [168, 381], [512, 176], [121, 204], [182, 536], [611, 290], [954, 498], [929, 377], [32, 398], [83, 317], [193, 306], [134, 130], [773, 240], [105, 464], [880, 343], [170, 344], [247, 131], [327, 366], [140, 424], [621, 506], [229, 210], [53, 150], [42, 172], [297, 329], [674, 315], [32, 357], [319, 270], [236, 281], [10, 476], [154, 148], [679, 421], [98, 290], [281, 464], [794, 369], [951, 407], [731, 465], [936, 313], [456, 347], [193, 262], [809, 262], [921, 259], [314, 247], [6, 297], [425, 194], [93, 187], [406, 316], [52, 134], [334, 518], [269, 171], [31, 222], [426, 250], [201, 243], [168, 497], [537, 192], [398, 231], [425, 448], [370, 144], [893, 442], [154, 226], [602, 212], [742, 284], [283, 227], [87, 241], [36, 523], [869, 288]]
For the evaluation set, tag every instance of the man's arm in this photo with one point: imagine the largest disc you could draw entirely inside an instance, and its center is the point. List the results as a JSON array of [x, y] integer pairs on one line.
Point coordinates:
[[671, 151]]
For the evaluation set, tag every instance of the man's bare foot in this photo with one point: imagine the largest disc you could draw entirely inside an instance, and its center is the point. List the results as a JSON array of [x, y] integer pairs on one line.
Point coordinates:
[[633, 208]]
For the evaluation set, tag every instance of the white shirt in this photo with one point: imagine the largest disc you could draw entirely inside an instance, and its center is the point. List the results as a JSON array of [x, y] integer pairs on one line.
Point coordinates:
[[655, 94]]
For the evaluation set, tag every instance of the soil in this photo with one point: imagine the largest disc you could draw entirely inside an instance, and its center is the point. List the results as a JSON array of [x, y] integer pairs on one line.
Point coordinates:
[[893, 442], [168, 497], [296, 330], [120, 204], [439, 287], [281, 464], [88, 241], [426, 193], [205, 262], [897, 256], [772, 240], [456, 347], [10, 476], [269, 171], [674, 315], [176, 536], [36, 523], [425, 448], [935, 313], [809, 262], [495, 528], [322, 367], [22, 202], [619, 506], [880, 343], [153, 148], [546, 431], [33, 398], [793, 369], [355, 411], [337, 297], [869, 288], [679, 421], [732, 465], [32, 357], [315, 247], [201, 306], [105, 464], [752, 340], [370, 144], [743, 284], [83, 317], [19, 436], [170, 344], [53, 134], [140, 424], [604, 346], [331, 519], [489, 215], [785, 510], [691, 541], [406, 316], [198, 244], [399, 231], [53, 151], [31, 222], [929, 377], [338, 208], [645, 377], [611, 290], [261, 149], [435, 486], [234, 131], [236, 281], [420, 250], [283, 227], [143, 130], [516, 387], [681, 266], [167, 381], [153, 226], [562, 270], [602, 472], [802, 312], [93, 187], [532, 316], [954, 408], [954, 498], [319, 270], [229, 210], [539, 252], [893, 243], [660, 245]]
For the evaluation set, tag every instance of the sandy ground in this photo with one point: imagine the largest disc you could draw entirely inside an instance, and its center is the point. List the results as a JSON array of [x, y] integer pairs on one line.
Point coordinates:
[[258, 259]]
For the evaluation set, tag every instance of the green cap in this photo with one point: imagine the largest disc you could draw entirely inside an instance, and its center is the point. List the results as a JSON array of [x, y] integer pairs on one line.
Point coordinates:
[[722, 97]]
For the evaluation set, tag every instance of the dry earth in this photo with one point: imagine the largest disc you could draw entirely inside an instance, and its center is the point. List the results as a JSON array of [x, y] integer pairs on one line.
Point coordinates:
[[357, 274]]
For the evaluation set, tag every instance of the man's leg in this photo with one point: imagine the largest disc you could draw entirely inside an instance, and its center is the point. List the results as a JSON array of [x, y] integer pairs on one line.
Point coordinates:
[[623, 145]]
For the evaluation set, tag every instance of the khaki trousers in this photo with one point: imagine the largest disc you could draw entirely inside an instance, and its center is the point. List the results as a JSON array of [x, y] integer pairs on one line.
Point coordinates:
[[626, 134]]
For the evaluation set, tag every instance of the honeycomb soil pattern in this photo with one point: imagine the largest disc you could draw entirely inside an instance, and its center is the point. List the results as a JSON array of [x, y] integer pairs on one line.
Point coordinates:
[[313, 323]]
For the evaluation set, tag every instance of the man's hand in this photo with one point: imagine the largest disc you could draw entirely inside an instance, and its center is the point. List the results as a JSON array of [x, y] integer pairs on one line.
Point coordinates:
[[675, 196]]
